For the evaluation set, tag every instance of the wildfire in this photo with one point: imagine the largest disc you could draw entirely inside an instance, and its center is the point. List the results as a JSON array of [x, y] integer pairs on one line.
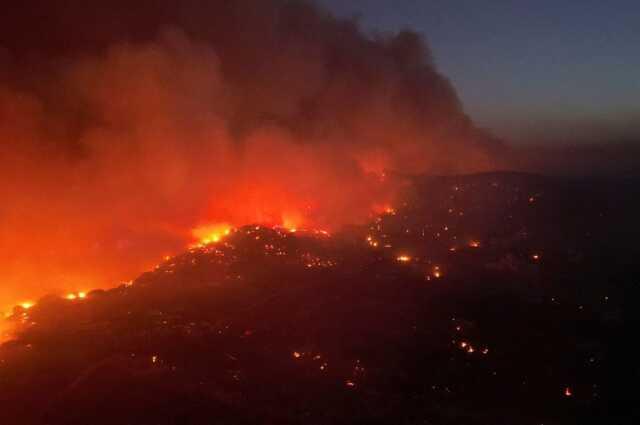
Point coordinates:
[[76, 295], [474, 244], [214, 233], [468, 348], [437, 273], [383, 209], [211, 233], [291, 222]]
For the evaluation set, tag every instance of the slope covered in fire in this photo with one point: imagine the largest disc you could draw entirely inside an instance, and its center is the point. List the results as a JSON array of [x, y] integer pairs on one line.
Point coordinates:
[[479, 299]]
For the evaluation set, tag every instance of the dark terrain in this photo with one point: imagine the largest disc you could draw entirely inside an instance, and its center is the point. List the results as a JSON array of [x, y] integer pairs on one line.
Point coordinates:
[[485, 299]]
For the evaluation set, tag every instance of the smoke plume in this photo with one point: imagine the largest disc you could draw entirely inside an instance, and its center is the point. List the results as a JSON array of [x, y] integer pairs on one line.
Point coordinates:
[[126, 125]]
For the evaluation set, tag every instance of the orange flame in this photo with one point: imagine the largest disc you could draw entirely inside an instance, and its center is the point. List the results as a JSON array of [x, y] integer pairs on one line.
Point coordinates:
[[211, 233]]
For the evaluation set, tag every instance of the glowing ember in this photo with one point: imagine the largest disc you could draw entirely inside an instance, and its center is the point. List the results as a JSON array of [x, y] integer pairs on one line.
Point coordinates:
[[403, 258], [568, 392], [474, 244], [437, 273], [373, 243]]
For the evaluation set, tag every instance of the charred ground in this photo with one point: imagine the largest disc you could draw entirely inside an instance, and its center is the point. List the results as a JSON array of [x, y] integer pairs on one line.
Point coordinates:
[[494, 298]]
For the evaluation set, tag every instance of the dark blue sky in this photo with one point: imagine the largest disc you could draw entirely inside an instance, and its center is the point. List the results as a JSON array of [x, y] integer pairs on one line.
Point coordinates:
[[528, 69]]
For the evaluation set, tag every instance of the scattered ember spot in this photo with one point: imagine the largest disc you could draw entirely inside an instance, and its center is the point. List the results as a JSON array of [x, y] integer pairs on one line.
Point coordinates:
[[437, 273]]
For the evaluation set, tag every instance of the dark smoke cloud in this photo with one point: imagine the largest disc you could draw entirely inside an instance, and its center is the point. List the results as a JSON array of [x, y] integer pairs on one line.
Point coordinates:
[[124, 125]]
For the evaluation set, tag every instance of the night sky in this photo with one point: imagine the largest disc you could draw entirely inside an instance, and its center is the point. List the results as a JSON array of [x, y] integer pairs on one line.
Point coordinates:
[[548, 69]]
